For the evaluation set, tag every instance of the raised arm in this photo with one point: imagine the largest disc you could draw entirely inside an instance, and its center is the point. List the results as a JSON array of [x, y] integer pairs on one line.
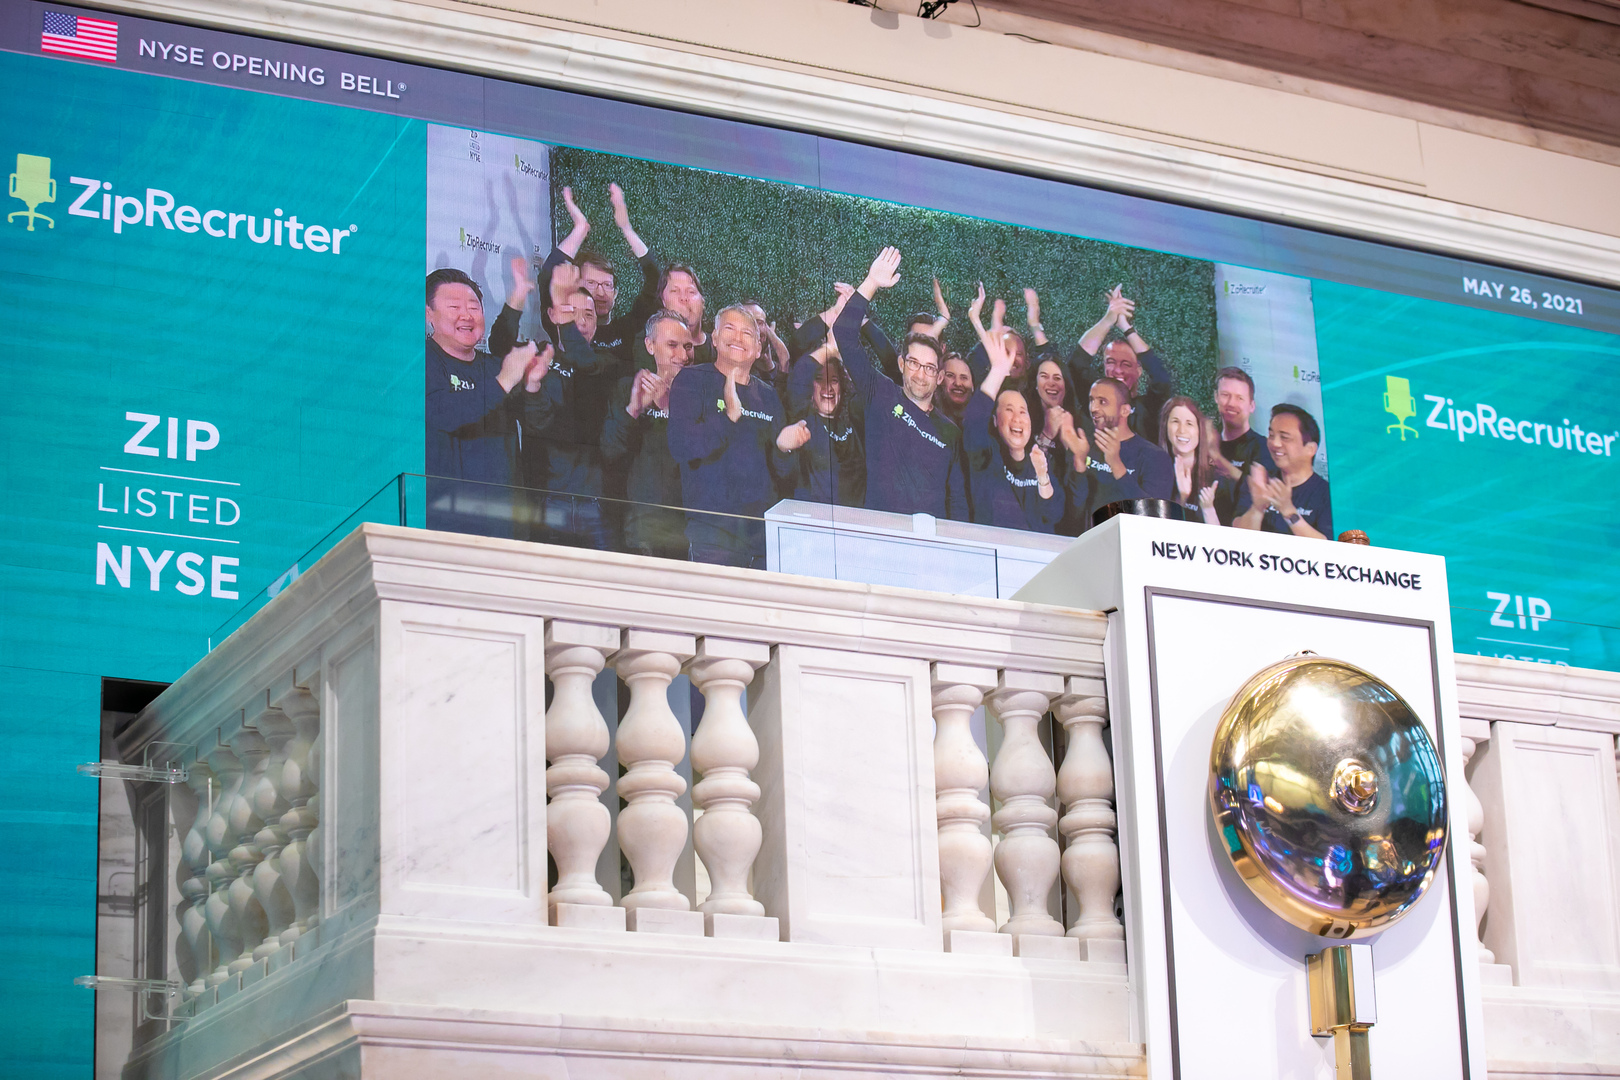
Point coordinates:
[[1118, 306], [883, 350], [883, 273], [621, 218], [1032, 315], [977, 442], [503, 334], [994, 343], [944, 320], [815, 329], [575, 239], [801, 385], [847, 334], [1159, 377], [977, 360]]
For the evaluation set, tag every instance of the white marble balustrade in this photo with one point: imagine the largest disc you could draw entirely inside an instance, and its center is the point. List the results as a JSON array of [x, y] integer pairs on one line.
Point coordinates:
[[1541, 805], [388, 858], [246, 882], [384, 806]]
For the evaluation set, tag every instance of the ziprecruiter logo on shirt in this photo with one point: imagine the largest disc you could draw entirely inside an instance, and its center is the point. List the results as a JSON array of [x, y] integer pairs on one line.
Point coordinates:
[[1482, 420], [767, 417], [104, 202], [905, 418]]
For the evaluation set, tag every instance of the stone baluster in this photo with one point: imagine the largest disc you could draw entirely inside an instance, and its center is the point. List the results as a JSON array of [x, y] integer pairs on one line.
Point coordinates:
[[300, 784], [724, 751], [315, 843], [1476, 850], [1022, 780], [960, 773], [271, 803], [245, 855], [652, 828], [222, 926], [577, 824], [1086, 789], [194, 949]]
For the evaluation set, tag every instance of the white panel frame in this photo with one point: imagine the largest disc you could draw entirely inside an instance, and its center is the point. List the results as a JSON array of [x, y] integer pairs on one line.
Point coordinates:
[[524, 753], [1518, 815], [788, 876]]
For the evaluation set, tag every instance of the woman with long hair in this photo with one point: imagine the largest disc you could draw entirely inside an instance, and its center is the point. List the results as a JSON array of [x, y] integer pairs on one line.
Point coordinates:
[[831, 468], [1054, 406], [1185, 434], [1050, 390]]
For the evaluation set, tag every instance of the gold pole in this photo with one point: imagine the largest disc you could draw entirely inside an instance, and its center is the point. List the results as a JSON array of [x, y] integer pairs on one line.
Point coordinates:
[[1350, 1053], [1331, 976]]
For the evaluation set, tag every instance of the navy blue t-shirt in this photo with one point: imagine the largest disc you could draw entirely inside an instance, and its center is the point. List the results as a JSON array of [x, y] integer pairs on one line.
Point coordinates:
[[911, 454], [1149, 474], [728, 467], [831, 467], [1311, 499], [1243, 451], [472, 423], [1006, 493]]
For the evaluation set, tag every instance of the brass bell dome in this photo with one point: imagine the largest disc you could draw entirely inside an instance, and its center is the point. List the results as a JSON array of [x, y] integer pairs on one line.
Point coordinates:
[[1328, 796]]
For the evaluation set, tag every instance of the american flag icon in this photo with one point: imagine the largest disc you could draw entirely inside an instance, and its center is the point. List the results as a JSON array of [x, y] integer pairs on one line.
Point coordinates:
[[75, 35]]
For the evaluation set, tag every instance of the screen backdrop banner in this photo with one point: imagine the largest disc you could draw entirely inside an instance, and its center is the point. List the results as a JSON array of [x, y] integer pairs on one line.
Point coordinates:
[[488, 201], [1268, 328]]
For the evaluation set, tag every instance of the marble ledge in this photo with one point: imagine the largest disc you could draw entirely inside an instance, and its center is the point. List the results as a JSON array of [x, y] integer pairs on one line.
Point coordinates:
[[1489, 688], [750, 936], [601, 1048]]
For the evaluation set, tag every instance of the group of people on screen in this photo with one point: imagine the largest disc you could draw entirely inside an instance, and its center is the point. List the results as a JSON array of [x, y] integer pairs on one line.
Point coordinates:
[[668, 433]]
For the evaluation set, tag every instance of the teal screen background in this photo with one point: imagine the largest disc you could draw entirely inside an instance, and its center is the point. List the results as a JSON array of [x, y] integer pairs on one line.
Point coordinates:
[[1520, 521], [308, 364]]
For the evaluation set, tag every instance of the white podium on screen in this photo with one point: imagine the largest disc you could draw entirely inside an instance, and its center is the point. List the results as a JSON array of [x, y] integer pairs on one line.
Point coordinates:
[[909, 551], [1193, 612]]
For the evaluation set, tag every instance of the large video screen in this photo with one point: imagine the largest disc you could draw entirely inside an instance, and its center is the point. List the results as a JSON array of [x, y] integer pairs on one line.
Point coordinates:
[[252, 283]]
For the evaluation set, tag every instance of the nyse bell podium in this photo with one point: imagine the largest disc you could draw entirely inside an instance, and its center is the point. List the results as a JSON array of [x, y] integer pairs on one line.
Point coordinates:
[[1220, 980]]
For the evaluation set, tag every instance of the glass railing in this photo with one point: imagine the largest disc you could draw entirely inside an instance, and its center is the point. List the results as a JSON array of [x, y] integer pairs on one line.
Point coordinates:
[[814, 539], [843, 544]]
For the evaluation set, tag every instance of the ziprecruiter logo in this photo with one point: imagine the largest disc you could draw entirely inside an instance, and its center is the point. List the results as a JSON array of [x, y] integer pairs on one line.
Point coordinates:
[[32, 184], [156, 208], [1482, 420]]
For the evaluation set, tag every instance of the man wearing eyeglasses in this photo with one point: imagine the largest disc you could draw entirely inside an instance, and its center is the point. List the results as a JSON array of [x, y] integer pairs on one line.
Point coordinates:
[[597, 276], [912, 464]]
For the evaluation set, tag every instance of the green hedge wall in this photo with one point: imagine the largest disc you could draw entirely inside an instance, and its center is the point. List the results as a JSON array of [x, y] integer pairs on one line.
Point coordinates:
[[785, 245]]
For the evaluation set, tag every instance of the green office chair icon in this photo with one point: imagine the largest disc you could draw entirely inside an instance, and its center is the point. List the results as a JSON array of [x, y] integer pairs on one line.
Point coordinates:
[[32, 184], [1399, 404]]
